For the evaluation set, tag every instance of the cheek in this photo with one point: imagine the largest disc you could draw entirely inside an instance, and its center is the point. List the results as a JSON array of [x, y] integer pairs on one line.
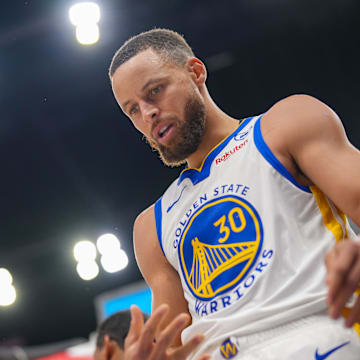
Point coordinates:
[[143, 128], [139, 125]]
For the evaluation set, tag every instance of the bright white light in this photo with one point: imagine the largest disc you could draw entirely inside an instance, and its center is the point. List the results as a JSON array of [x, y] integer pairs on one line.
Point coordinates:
[[114, 261], [7, 295], [87, 270], [5, 277], [107, 244], [84, 251], [84, 13], [87, 34]]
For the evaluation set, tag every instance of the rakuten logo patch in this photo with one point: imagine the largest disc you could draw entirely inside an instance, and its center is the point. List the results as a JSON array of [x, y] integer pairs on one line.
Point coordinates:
[[230, 152]]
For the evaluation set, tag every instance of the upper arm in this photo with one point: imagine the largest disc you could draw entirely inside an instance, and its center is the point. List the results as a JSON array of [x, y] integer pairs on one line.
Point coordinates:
[[315, 139], [162, 278]]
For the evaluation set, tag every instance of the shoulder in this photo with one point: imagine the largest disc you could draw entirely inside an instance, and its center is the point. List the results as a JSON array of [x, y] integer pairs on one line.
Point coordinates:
[[300, 119], [145, 234], [149, 255], [145, 227], [146, 241], [145, 217], [299, 126], [302, 113], [298, 101]]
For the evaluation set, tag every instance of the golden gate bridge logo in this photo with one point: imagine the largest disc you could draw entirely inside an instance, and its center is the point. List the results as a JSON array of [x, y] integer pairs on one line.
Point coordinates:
[[211, 260], [232, 233]]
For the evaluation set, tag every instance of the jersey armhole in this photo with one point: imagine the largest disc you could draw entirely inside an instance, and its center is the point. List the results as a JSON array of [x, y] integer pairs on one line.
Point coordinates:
[[158, 222], [271, 158]]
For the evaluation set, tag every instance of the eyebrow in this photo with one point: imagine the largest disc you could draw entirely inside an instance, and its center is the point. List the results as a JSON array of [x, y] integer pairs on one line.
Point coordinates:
[[147, 84]]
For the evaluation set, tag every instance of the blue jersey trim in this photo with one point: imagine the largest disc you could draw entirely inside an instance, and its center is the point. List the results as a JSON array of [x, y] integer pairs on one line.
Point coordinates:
[[158, 219], [197, 175], [176, 201], [270, 157]]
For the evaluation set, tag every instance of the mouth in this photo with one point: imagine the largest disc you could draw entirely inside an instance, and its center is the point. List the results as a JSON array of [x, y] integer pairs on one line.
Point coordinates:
[[163, 131]]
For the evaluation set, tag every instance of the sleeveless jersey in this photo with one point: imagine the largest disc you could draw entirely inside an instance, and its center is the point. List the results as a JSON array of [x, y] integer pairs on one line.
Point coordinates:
[[246, 239]]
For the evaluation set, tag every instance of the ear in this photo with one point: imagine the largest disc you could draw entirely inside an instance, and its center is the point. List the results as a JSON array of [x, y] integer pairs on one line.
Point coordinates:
[[197, 70], [109, 347]]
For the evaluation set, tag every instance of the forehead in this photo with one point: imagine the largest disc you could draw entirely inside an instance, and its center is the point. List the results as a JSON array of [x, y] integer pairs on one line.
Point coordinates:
[[139, 69]]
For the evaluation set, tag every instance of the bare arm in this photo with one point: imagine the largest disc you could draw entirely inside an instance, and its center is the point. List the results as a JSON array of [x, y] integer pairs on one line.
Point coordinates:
[[158, 273], [310, 135]]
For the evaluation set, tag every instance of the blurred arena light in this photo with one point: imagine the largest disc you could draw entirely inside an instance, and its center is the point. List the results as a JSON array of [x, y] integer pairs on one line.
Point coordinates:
[[7, 295], [114, 261], [87, 34], [84, 13], [84, 251], [107, 243], [85, 16], [113, 258], [87, 270], [5, 277], [7, 290], [85, 254]]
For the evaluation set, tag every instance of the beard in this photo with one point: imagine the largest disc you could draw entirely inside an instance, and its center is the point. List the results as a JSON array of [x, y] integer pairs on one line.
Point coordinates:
[[189, 134]]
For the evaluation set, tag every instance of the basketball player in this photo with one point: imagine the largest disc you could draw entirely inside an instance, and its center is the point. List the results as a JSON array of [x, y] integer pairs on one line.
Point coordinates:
[[124, 336], [240, 238]]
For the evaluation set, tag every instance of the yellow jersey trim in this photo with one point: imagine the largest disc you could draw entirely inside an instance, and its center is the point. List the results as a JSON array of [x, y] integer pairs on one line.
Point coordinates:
[[328, 216], [340, 231]]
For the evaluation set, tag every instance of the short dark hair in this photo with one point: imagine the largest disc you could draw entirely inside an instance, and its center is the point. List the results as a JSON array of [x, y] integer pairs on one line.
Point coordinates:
[[167, 43], [116, 326]]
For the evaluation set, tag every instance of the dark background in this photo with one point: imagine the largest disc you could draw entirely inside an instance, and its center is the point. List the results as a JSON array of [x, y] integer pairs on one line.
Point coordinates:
[[73, 168]]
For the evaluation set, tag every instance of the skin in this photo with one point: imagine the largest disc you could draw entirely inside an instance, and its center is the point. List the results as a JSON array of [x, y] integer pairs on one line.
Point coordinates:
[[302, 132], [110, 351], [144, 108], [139, 344]]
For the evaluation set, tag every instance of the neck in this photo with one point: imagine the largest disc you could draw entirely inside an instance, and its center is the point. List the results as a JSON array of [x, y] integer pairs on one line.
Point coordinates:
[[218, 126]]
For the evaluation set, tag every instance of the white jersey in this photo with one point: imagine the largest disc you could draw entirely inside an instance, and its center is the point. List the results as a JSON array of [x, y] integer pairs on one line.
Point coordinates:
[[246, 239]]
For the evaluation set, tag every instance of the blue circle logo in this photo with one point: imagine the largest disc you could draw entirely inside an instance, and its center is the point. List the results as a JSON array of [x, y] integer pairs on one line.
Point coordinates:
[[219, 246]]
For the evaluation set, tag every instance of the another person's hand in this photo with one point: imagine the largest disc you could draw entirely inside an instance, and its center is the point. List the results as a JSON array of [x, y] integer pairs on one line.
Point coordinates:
[[140, 344], [343, 279]]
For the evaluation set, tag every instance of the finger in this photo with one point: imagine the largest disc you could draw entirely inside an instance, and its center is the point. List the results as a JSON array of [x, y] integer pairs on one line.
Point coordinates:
[[343, 296], [353, 283], [349, 284], [353, 279], [167, 336], [338, 264], [330, 260], [136, 324], [151, 327], [354, 315], [347, 269], [185, 350]]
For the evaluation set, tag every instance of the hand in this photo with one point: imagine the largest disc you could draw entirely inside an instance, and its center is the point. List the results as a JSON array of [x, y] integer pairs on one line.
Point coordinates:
[[343, 278], [140, 344]]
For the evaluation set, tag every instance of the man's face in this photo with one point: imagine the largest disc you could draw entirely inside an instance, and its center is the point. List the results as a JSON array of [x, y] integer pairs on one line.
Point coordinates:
[[163, 103]]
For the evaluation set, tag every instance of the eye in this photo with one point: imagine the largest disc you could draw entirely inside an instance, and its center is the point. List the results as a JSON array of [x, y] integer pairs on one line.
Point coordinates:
[[133, 110], [155, 90]]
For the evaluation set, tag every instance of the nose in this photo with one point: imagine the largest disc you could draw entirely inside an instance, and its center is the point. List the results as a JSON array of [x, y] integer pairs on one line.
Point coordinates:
[[149, 111]]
